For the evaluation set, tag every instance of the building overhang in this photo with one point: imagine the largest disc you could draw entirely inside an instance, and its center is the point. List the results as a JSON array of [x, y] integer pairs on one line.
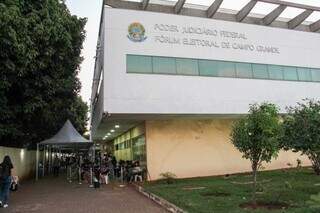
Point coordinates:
[[243, 15], [114, 125]]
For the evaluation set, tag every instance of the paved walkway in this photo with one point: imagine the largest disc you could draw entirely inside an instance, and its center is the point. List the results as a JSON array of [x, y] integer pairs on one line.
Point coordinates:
[[56, 195]]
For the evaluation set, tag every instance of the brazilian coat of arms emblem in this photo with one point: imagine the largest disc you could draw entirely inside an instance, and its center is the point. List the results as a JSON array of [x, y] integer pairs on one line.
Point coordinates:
[[136, 32]]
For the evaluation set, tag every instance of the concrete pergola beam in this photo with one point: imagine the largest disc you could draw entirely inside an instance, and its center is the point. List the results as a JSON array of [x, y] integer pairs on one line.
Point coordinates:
[[179, 5], [214, 8], [315, 26], [296, 21], [245, 10], [291, 4], [144, 4], [219, 15], [273, 15]]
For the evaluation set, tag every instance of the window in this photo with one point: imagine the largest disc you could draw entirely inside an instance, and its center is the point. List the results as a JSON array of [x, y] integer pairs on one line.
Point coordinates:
[[208, 68], [139, 64], [187, 66], [226, 69], [275, 72], [164, 65], [304, 74], [139, 149], [260, 71], [244, 70], [315, 74], [290, 73], [215, 68], [121, 145]]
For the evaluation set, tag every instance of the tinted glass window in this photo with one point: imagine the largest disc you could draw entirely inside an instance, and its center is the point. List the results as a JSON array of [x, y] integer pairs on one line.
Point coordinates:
[[260, 71], [187, 66], [275, 72], [208, 68], [244, 70], [315, 74], [226, 69], [139, 64], [164, 65], [304, 74], [290, 73]]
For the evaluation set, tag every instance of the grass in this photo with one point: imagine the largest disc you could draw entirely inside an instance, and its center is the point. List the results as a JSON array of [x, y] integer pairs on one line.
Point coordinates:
[[225, 194]]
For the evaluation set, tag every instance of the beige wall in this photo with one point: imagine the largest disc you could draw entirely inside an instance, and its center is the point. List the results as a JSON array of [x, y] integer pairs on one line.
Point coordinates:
[[24, 161], [191, 148]]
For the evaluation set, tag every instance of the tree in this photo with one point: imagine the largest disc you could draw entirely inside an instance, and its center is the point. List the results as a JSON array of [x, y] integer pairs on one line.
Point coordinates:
[[256, 136], [302, 131], [40, 44]]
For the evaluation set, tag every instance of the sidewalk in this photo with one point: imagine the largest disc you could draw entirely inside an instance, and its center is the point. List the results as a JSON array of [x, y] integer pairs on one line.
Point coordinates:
[[56, 195]]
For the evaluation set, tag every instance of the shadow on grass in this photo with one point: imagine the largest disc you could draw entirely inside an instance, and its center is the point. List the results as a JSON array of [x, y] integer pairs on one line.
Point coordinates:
[[265, 205]]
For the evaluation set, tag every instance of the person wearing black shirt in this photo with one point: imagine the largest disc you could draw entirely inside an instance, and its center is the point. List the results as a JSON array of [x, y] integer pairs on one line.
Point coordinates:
[[6, 179]]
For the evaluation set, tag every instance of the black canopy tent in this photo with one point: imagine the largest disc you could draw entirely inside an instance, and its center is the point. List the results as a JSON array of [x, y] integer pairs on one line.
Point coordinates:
[[67, 138]]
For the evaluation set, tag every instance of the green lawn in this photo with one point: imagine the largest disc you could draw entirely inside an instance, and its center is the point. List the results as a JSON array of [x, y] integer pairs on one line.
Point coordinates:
[[225, 194]]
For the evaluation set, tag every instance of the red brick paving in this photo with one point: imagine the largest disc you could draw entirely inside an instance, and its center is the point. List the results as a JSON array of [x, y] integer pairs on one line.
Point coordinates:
[[56, 195]]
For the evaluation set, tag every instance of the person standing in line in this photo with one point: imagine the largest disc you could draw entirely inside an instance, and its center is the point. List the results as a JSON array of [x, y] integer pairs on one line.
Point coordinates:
[[6, 179], [56, 166]]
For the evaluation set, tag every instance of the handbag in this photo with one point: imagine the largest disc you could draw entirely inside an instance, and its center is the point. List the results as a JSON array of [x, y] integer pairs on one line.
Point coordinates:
[[14, 186]]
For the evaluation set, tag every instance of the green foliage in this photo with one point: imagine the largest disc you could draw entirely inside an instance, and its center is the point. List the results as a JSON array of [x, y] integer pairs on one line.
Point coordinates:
[[40, 44], [302, 131], [282, 190], [314, 202], [168, 177], [303, 184], [256, 136]]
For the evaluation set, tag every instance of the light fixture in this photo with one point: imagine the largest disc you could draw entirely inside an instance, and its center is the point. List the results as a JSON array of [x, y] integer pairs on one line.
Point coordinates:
[[109, 133], [117, 126], [112, 130], [22, 154]]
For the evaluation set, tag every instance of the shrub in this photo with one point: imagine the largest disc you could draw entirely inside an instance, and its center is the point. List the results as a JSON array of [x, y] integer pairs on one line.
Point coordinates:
[[168, 177], [302, 131]]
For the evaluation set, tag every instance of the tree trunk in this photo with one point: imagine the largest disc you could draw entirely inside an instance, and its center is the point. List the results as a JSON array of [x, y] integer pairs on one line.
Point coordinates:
[[315, 160], [254, 175]]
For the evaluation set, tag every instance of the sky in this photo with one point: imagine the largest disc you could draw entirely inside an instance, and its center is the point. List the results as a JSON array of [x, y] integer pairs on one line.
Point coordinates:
[[91, 9]]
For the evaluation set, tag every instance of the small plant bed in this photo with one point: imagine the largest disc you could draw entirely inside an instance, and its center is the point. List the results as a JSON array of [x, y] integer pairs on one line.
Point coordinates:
[[287, 190]]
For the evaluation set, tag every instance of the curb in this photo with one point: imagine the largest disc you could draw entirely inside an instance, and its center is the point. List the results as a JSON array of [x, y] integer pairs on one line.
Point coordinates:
[[162, 202]]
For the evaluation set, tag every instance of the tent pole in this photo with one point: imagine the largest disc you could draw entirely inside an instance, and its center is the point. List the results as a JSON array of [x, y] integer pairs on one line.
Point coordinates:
[[44, 160], [92, 167], [94, 154], [67, 167], [80, 160], [49, 159], [37, 163]]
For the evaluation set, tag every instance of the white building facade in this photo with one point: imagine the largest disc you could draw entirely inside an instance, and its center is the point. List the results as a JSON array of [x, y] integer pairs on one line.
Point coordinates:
[[168, 87]]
